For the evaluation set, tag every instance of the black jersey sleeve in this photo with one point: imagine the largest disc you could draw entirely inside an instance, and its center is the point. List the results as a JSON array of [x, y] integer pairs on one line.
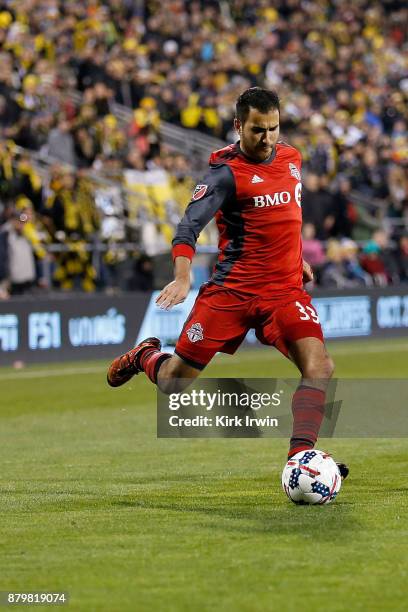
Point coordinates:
[[220, 188]]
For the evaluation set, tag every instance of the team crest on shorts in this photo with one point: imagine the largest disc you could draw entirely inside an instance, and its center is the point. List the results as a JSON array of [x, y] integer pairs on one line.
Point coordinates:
[[195, 333], [199, 192], [295, 172]]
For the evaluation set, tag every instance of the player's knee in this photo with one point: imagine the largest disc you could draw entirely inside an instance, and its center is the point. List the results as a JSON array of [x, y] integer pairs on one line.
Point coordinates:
[[175, 375], [329, 367], [175, 368], [319, 368]]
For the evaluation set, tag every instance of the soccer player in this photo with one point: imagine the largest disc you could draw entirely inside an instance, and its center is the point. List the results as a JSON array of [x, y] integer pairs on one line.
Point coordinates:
[[253, 189]]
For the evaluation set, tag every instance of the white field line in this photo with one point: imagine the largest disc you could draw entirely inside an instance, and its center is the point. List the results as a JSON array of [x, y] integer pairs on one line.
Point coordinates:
[[54, 372], [75, 371]]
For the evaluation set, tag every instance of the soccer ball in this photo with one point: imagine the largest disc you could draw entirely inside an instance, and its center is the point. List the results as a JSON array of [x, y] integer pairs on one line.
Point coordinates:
[[311, 477]]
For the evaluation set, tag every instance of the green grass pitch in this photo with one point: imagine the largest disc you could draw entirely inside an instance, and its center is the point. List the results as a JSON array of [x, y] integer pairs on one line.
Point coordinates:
[[93, 504]]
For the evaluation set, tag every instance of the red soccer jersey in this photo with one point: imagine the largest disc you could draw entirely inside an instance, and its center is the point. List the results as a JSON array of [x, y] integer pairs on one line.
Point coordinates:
[[257, 207]]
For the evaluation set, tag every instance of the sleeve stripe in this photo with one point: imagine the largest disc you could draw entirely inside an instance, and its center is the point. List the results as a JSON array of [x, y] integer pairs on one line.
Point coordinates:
[[183, 250]]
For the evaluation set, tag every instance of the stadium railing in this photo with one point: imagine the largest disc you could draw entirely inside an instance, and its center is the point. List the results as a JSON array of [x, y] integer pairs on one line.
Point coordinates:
[[192, 143]]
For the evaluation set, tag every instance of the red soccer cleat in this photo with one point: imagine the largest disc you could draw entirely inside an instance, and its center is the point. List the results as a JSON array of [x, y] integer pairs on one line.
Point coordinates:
[[125, 366]]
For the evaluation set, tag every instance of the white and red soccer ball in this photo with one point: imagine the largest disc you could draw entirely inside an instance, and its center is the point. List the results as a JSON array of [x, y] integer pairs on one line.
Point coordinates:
[[311, 477]]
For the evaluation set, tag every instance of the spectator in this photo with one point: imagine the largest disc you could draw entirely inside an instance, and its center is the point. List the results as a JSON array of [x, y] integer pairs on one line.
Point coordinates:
[[102, 97], [110, 139], [353, 270], [313, 250], [143, 274], [372, 263], [61, 144], [402, 258], [317, 205], [372, 177], [85, 147], [344, 210], [186, 62], [387, 255], [71, 217], [323, 154], [18, 270], [333, 273], [9, 115]]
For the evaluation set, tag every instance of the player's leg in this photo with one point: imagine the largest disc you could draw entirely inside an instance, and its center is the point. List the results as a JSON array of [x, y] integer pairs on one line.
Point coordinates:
[[211, 327], [162, 368], [175, 375], [313, 361], [308, 402], [217, 323], [294, 328]]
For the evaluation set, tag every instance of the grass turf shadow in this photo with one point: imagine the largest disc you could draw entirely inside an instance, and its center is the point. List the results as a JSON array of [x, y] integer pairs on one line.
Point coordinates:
[[248, 509]]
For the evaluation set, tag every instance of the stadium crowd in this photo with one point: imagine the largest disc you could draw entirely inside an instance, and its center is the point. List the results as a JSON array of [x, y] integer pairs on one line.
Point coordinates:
[[340, 68]]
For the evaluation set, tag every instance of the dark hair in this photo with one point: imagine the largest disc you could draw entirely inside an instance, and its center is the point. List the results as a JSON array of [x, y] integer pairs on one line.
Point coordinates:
[[263, 100]]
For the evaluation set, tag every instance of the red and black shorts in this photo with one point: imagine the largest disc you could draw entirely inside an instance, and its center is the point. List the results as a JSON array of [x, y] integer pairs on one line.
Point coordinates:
[[221, 318]]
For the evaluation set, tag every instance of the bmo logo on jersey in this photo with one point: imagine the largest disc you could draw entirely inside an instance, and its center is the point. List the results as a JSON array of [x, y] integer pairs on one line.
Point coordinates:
[[278, 198]]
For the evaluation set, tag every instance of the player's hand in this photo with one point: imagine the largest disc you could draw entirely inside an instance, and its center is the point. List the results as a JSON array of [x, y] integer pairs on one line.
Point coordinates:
[[174, 293], [307, 273]]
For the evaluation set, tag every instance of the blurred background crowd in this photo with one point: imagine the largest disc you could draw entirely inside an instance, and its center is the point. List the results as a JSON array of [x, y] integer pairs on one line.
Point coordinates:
[[91, 186]]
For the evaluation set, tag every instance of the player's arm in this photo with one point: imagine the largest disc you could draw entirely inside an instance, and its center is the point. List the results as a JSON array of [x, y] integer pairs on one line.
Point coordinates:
[[176, 291], [209, 196], [307, 272]]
